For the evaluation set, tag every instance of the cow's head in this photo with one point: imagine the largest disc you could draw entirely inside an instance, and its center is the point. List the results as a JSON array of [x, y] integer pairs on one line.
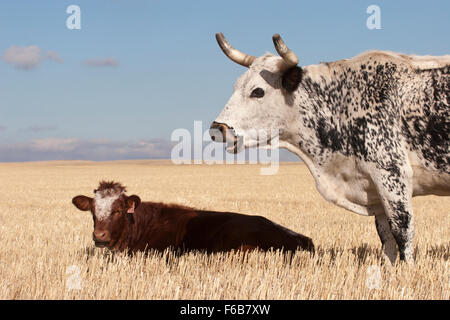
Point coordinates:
[[262, 100], [111, 210]]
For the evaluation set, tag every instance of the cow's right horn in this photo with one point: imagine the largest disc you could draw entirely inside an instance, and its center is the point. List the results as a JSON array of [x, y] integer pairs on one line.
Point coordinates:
[[287, 54], [235, 55]]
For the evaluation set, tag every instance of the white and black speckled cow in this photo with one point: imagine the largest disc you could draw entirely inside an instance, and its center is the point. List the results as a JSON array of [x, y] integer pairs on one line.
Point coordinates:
[[373, 130]]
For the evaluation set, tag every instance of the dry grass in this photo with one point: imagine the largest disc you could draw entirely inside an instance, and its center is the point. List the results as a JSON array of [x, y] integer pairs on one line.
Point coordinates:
[[46, 243]]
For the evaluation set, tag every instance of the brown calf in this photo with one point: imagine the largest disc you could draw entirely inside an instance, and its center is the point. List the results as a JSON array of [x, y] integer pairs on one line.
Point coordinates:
[[125, 223]]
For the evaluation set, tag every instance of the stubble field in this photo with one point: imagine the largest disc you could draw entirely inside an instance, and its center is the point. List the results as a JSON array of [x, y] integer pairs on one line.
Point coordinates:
[[46, 248]]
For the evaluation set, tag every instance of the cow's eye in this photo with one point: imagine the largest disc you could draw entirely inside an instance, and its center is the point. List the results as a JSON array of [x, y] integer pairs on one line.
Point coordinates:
[[257, 93]]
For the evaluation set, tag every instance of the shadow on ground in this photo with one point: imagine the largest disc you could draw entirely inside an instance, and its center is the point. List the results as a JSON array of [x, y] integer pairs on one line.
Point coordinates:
[[362, 253]]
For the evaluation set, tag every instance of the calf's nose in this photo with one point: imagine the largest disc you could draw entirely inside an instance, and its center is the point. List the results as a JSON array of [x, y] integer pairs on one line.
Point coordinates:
[[101, 235]]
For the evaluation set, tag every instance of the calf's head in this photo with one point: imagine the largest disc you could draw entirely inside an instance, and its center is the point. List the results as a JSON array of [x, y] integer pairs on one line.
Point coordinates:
[[111, 211], [262, 101]]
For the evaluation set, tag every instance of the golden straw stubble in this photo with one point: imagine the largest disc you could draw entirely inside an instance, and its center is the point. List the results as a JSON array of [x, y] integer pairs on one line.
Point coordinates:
[[47, 251]]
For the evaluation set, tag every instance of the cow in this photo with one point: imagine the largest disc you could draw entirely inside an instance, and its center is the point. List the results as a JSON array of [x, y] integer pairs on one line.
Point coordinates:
[[373, 130], [124, 223]]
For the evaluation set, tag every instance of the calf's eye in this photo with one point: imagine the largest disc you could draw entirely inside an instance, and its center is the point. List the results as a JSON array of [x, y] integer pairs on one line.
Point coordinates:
[[257, 93]]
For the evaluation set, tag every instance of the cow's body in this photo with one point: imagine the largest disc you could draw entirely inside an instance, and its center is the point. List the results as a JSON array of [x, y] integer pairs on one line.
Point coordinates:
[[159, 226], [374, 130], [389, 115], [125, 224]]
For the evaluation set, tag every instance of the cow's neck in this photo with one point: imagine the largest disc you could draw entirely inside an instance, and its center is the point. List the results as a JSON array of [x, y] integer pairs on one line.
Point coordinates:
[[316, 135], [321, 105], [138, 229]]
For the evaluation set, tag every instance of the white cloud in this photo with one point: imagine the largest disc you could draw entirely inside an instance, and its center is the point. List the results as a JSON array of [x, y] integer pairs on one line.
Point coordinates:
[[77, 149], [23, 57], [27, 58], [105, 62], [54, 145]]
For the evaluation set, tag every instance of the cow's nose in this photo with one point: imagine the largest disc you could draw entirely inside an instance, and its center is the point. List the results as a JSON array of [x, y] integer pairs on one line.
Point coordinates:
[[101, 235], [218, 131]]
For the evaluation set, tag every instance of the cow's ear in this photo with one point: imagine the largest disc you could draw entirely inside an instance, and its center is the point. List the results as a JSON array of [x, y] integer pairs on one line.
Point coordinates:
[[133, 202], [82, 202], [291, 78]]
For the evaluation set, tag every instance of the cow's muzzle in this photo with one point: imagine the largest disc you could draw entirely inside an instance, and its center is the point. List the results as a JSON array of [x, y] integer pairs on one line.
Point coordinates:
[[218, 131], [101, 238], [221, 132]]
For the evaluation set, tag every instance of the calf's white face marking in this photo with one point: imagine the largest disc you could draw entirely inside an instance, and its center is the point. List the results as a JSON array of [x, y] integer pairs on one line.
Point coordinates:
[[103, 204]]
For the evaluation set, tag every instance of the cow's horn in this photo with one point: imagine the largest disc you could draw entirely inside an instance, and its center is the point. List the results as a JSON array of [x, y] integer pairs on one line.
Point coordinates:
[[235, 55], [288, 56]]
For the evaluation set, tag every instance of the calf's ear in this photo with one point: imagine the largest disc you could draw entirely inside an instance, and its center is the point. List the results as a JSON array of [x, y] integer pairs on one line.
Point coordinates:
[[133, 202], [291, 78], [82, 202]]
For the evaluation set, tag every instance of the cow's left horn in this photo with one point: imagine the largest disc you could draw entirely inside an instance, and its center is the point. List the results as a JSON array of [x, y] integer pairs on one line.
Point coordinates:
[[287, 54], [235, 55]]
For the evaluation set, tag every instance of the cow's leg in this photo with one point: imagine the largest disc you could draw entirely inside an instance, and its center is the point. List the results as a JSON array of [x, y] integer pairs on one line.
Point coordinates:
[[386, 237], [400, 217], [395, 190]]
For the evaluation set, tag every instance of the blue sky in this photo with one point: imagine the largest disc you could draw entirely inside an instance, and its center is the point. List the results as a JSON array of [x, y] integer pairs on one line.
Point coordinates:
[[168, 70]]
